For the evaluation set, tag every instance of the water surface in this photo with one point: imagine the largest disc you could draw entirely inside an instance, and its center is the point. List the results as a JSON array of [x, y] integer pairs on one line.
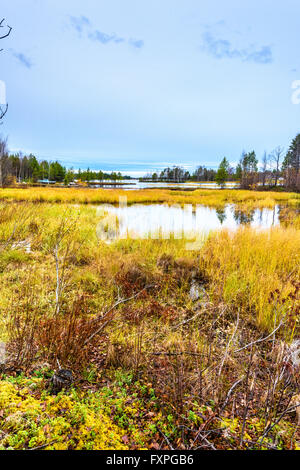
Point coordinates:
[[153, 220], [136, 184]]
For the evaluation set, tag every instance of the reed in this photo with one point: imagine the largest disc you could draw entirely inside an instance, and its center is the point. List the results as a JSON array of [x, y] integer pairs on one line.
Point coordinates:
[[209, 197]]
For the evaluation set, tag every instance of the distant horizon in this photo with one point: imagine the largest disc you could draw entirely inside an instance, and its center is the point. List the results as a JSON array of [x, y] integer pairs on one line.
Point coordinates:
[[133, 169]]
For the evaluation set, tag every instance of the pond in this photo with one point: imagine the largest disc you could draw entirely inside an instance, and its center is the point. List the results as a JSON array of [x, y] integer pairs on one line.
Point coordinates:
[[189, 185], [161, 220], [132, 185]]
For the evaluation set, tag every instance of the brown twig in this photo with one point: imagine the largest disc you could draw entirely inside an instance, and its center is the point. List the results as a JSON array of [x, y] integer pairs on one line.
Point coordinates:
[[261, 339], [120, 302], [165, 438], [44, 445]]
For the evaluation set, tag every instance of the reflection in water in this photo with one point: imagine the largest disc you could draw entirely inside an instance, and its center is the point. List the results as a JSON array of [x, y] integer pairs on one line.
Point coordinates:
[[287, 215], [221, 214], [131, 185], [161, 220], [136, 184], [246, 217]]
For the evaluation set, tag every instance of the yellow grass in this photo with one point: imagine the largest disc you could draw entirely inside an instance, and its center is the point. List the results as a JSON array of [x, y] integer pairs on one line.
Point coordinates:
[[248, 274], [209, 197], [258, 272], [244, 267]]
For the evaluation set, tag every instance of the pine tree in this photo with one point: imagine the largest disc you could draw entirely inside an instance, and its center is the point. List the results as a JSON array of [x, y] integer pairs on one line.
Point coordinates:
[[291, 165], [222, 173]]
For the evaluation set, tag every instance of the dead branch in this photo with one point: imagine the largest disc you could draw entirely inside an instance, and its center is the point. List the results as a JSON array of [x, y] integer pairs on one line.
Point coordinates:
[[261, 339], [102, 317], [271, 426], [9, 29], [228, 344], [176, 354], [2, 113], [44, 445], [230, 393], [165, 438]]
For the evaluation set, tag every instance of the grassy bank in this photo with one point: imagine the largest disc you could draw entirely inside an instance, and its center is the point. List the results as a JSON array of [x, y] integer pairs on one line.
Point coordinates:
[[209, 197], [169, 347]]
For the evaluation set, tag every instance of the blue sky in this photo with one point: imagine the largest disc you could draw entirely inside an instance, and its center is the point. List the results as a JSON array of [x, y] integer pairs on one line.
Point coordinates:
[[146, 84]]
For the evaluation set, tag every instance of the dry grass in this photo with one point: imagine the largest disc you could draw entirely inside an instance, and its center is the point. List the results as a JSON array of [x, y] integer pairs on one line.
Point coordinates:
[[209, 197], [256, 271], [191, 352]]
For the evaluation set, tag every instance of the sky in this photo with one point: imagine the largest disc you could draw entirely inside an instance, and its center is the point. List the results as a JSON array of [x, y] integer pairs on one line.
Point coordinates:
[[136, 85]]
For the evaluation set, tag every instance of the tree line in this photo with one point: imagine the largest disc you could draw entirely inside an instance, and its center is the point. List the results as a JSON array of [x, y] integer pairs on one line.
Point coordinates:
[[179, 174], [19, 168], [276, 168]]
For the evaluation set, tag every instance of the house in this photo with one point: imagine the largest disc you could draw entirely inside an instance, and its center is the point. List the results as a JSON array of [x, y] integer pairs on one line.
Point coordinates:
[[46, 182]]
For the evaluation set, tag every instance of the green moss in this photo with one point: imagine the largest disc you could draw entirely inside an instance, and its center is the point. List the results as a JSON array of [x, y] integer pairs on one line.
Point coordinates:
[[17, 257]]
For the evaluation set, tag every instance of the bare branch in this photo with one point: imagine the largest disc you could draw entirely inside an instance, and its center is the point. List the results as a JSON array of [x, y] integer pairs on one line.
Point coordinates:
[[44, 445], [3, 112], [261, 339], [183, 353], [165, 438], [123, 301], [9, 29], [270, 427], [230, 392], [228, 344]]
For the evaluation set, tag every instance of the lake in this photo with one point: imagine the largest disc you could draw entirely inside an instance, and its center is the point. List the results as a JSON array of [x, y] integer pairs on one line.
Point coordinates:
[[136, 184], [153, 220]]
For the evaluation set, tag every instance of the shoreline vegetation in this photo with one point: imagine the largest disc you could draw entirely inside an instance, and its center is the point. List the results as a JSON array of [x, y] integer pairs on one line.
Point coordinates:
[[168, 348], [208, 197], [277, 169]]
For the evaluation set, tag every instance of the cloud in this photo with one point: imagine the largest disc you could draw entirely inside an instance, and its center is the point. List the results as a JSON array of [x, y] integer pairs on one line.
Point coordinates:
[[79, 24], [105, 38], [82, 24], [25, 61], [223, 49], [138, 43], [261, 56]]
